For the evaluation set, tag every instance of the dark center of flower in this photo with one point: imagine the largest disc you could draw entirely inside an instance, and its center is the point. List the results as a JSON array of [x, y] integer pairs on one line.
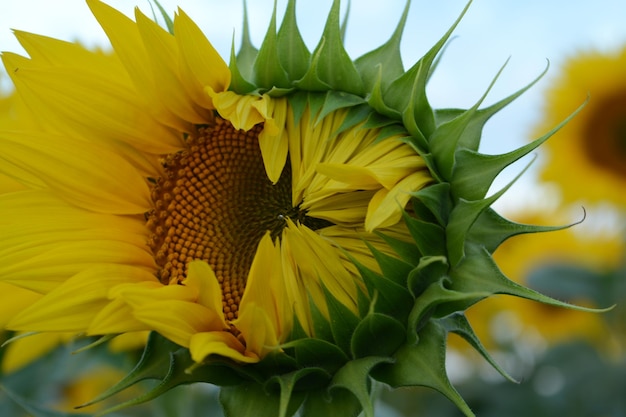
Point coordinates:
[[606, 134], [215, 203]]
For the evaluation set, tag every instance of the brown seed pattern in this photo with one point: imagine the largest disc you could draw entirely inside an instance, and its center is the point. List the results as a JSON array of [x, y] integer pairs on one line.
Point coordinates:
[[215, 203]]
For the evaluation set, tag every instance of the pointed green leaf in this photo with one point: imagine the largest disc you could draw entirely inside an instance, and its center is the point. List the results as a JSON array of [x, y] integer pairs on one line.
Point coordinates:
[[491, 229], [479, 272], [292, 51], [321, 326], [267, 70], [320, 403], [429, 237], [429, 270], [238, 82], [445, 139], [474, 172], [407, 251], [169, 24], [423, 364], [155, 363], [251, 400], [391, 267], [419, 114], [437, 199], [291, 400], [342, 321], [317, 353], [390, 298], [386, 57], [457, 323], [354, 377], [358, 114], [437, 301], [310, 81], [462, 218], [334, 66], [247, 52], [336, 100], [376, 100], [377, 335]]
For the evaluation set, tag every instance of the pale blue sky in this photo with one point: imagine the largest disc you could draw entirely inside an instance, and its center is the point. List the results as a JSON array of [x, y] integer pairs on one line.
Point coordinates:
[[529, 31]]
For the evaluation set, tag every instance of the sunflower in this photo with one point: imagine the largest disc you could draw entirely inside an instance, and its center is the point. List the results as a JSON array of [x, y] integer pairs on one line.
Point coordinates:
[[593, 144], [266, 220]]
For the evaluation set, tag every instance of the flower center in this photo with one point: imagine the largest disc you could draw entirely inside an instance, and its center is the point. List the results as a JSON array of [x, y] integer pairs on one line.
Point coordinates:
[[606, 134], [214, 203]]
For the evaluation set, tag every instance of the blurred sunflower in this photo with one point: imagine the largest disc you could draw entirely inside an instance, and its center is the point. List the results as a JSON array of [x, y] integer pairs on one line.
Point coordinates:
[[266, 220], [587, 159]]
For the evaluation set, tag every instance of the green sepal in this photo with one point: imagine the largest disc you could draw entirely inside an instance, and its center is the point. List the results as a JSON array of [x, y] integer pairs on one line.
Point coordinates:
[[252, 400], [172, 366], [388, 297], [491, 229], [429, 237], [375, 98], [407, 251], [35, 410], [99, 341], [354, 377], [321, 325], [292, 51], [247, 52], [418, 111], [472, 135], [298, 103], [423, 364], [238, 82], [335, 100], [377, 335], [386, 58], [360, 113], [334, 67], [287, 383], [391, 267], [169, 24], [457, 323], [436, 198], [438, 301], [479, 272], [321, 403], [445, 140], [342, 321], [310, 81], [310, 352], [474, 172], [267, 70], [429, 270], [463, 217]]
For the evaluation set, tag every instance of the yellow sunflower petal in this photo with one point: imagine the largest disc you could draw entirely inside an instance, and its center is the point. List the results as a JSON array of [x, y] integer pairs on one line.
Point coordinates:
[[219, 343], [385, 208], [201, 277], [273, 140], [264, 297], [238, 110], [163, 54], [71, 306], [82, 173], [129, 47], [178, 320], [205, 66]]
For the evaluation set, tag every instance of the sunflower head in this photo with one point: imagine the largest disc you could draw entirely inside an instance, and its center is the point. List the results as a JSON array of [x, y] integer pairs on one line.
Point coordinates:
[[293, 226]]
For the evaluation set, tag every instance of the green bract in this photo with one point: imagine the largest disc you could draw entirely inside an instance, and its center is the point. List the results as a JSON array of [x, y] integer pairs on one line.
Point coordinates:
[[399, 338]]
